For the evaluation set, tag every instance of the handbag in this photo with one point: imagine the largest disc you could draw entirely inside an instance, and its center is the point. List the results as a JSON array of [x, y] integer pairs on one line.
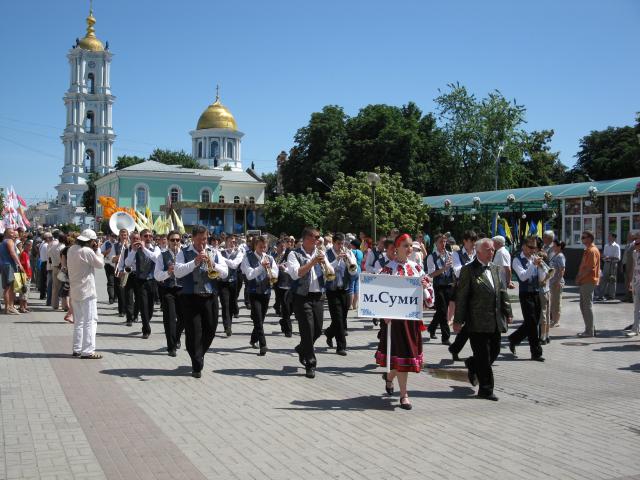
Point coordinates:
[[62, 276], [19, 281]]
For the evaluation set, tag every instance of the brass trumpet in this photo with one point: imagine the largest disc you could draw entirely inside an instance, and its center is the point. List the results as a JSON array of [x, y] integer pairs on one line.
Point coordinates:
[[548, 271], [352, 267], [267, 266], [212, 273], [328, 276]]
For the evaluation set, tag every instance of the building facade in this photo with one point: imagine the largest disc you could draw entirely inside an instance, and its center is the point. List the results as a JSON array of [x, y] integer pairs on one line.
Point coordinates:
[[220, 195], [88, 135]]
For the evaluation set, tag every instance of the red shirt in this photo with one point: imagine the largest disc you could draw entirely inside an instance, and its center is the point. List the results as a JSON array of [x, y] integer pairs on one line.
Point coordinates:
[[26, 263]]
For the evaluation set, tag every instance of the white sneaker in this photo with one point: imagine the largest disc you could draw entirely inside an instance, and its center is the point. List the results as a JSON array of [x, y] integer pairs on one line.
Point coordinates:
[[631, 334]]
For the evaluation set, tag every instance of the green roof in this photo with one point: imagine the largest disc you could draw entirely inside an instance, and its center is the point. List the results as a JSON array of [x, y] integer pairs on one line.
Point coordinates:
[[533, 197]]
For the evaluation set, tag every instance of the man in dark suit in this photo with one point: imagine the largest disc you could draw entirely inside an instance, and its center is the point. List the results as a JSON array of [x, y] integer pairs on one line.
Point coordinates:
[[482, 305]]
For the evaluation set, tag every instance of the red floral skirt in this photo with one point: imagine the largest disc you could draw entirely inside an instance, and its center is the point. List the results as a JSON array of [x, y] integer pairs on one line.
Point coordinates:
[[406, 346]]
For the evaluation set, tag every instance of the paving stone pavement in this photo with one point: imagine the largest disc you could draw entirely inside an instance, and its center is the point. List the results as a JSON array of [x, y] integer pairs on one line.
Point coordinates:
[[138, 413]]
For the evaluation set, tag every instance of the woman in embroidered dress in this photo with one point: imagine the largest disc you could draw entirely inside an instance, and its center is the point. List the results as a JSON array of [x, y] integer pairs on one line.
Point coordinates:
[[406, 336]]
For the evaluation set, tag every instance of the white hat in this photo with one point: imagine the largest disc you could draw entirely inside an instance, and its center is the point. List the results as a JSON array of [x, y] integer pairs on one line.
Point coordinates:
[[87, 235], [416, 246]]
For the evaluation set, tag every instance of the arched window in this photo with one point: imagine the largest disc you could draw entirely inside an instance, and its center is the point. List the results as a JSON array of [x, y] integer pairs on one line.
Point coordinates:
[[221, 199], [200, 149], [236, 199], [205, 196], [229, 149], [89, 123], [213, 149], [174, 194], [141, 197], [89, 161], [91, 83], [252, 201]]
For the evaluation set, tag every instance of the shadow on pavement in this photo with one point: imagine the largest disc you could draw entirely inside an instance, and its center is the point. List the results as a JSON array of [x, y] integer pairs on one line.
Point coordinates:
[[357, 404], [286, 371], [139, 373], [626, 347], [633, 368], [131, 352], [23, 355]]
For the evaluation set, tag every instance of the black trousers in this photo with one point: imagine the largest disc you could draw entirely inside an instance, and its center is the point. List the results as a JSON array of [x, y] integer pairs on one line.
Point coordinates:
[[442, 297], [42, 281], [110, 272], [131, 304], [338, 301], [235, 310], [246, 289], [144, 298], [119, 296], [461, 338], [531, 308], [200, 323], [259, 304], [227, 293], [171, 315], [308, 311], [285, 309], [485, 347]]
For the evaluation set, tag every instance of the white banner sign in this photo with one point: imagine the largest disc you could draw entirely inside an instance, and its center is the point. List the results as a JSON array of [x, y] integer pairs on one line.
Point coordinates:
[[390, 296]]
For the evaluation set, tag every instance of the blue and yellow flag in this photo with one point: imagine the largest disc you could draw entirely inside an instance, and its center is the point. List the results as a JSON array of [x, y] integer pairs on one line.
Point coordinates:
[[539, 230]]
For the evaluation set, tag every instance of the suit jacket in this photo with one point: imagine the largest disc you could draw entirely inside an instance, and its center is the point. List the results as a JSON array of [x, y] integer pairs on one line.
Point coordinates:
[[482, 307]]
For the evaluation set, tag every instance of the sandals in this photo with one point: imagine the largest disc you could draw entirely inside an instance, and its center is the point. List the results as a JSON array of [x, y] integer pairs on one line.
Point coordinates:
[[68, 318], [405, 405], [388, 384], [93, 356]]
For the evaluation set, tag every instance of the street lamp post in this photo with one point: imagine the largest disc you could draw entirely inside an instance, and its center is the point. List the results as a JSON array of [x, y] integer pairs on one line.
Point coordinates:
[[373, 179], [500, 149], [246, 201]]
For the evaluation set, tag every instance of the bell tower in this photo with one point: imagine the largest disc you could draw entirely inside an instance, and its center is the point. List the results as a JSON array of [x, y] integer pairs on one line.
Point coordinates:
[[88, 136]]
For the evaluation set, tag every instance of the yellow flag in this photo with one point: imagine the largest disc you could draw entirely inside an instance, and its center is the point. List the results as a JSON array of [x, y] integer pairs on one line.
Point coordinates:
[[526, 229], [539, 231], [507, 230]]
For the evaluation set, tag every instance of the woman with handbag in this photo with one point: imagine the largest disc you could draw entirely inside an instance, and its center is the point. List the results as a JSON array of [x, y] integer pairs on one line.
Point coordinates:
[[9, 266]]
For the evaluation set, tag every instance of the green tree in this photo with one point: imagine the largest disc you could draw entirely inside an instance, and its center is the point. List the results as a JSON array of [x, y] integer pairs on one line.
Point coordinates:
[[540, 166], [172, 157], [318, 151], [1, 202], [271, 179], [348, 207], [89, 196], [292, 212], [475, 130], [609, 154], [125, 161]]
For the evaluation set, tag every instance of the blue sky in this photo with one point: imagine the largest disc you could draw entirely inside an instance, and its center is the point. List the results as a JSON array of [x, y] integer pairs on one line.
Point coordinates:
[[573, 64]]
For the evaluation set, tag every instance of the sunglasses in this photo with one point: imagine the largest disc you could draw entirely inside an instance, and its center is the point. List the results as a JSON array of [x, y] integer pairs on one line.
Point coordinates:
[[174, 239]]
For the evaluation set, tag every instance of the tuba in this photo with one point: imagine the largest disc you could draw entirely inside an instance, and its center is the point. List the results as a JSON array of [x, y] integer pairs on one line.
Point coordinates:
[[120, 220], [329, 277]]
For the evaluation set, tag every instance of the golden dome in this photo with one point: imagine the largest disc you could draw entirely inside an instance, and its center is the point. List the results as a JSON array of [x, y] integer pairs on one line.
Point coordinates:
[[217, 116], [90, 41]]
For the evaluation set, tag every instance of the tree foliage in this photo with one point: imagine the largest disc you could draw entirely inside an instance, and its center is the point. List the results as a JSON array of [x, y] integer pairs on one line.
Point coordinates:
[[348, 207], [271, 180], [89, 196], [609, 154], [540, 166], [292, 212], [125, 161]]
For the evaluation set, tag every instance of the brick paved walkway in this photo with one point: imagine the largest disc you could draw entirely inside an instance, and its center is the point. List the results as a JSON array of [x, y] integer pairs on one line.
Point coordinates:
[[137, 413]]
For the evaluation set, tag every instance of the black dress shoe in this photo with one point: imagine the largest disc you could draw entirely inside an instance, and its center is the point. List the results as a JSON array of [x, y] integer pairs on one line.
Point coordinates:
[[172, 353], [446, 342], [145, 335], [129, 324], [263, 351], [196, 374], [512, 348], [310, 372], [454, 355], [488, 397], [298, 350], [253, 344], [288, 334], [538, 359], [471, 375], [75, 354], [235, 315], [342, 353], [227, 331], [628, 328], [432, 335], [375, 321], [543, 341], [330, 342], [178, 345]]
